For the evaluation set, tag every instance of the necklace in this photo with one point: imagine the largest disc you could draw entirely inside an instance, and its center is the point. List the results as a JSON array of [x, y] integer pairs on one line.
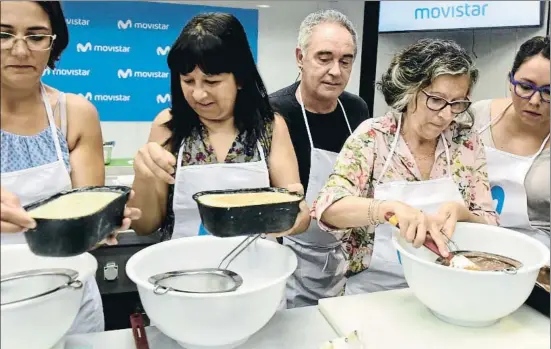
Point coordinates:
[[423, 156]]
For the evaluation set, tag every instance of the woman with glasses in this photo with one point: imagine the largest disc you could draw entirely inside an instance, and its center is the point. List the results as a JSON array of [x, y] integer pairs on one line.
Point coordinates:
[[515, 132], [51, 141], [415, 162]]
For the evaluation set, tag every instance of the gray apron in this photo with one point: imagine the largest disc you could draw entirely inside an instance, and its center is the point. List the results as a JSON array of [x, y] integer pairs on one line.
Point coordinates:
[[321, 259]]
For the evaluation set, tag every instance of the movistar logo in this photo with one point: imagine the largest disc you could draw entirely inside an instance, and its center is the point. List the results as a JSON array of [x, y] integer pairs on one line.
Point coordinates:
[[102, 48], [84, 47], [87, 95], [124, 74], [66, 72], [128, 24], [105, 98], [78, 21], [163, 51], [128, 73], [163, 98], [124, 25]]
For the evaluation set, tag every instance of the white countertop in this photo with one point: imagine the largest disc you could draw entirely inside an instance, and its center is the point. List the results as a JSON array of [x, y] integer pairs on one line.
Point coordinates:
[[397, 320], [384, 320], [301, 328]]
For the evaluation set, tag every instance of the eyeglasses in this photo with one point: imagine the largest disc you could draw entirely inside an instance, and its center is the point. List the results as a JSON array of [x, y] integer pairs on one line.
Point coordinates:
[[35, 42], [436, 103], [526, 90]]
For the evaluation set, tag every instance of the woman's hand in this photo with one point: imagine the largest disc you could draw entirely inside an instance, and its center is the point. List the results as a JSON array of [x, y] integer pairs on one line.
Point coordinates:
[[412, 222], [13, 217], [130, 214], [303, 218], [154, 161], [448, 215], [443, 223]]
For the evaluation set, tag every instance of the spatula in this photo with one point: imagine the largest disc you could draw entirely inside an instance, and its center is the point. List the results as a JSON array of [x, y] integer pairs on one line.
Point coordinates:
[[452, 260]]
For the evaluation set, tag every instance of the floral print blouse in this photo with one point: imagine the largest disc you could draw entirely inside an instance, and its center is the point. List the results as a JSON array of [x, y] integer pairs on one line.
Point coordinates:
[[198, 151], [361, 161]]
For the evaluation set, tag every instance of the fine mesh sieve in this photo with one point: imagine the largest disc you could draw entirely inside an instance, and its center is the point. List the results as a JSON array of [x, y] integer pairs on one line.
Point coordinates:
[[204, 280], [31, 284]]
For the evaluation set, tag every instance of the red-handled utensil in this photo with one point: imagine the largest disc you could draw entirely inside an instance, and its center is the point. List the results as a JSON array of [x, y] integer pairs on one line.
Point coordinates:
[[138, 330], [429, 243]]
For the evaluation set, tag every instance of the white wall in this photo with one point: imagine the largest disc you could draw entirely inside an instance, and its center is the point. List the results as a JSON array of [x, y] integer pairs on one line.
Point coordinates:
[[495, 49], [278, 31]]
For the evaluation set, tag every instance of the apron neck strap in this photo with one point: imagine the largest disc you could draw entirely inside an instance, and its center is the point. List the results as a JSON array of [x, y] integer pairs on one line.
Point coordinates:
[[306, 118], [542, 147], [499, 117], [395, 144], [51, 121], [261, 151], [496, 120]]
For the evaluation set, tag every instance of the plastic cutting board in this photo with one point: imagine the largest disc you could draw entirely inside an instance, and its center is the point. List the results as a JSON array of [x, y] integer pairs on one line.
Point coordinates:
[[397, 320]]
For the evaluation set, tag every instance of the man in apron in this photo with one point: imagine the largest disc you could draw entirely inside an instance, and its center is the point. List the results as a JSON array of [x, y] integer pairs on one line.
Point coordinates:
[[320, 116]]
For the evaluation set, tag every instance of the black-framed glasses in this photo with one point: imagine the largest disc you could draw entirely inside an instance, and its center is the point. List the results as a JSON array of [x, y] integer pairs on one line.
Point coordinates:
[[436, 103], [526, 90], [35, 42]]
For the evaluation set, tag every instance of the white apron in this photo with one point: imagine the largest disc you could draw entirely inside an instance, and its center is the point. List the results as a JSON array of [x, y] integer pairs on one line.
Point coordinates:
[[507, 173], [321, 260], [385, 271], [220, 176], [40, 182]]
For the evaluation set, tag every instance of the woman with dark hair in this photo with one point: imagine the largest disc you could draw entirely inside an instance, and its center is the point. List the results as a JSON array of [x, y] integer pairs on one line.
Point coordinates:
[[51, 141], [220, 133], [515, 131], [416, 162]]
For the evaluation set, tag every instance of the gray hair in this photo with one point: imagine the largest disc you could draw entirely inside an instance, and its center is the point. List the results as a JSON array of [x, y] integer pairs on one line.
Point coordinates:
[[324, 16], [416, 67]]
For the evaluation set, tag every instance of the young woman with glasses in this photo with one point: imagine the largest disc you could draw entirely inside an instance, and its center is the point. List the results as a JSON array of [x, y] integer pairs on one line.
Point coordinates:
[[515, 131], [51, 141], [415, 161]]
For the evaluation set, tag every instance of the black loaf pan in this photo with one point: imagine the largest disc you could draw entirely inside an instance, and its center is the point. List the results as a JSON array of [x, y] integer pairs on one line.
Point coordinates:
[[74, 236], [248, 220], [539, 299]]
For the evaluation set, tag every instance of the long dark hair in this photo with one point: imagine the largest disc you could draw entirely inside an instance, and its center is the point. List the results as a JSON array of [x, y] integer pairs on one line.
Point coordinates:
[[217, 43]]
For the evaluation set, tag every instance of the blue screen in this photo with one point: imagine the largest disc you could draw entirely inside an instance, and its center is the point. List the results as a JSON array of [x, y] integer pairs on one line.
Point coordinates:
[[117, 53]]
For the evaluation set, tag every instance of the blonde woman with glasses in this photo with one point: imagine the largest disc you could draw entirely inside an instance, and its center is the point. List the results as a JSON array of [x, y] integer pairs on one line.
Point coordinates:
[[51, 141], [415, 162]]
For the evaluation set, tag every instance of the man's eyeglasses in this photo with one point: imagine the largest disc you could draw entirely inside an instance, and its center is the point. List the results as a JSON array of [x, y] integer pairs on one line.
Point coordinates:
[[35, 42], [436, 103], [526, 90]]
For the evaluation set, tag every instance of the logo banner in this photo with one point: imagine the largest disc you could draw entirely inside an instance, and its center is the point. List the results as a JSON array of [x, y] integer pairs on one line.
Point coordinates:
[[117, 53]]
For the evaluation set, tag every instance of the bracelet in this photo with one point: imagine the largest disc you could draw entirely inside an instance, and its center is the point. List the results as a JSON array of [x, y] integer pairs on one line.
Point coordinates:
[[373, 211], [377, 220], [370, 213]]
